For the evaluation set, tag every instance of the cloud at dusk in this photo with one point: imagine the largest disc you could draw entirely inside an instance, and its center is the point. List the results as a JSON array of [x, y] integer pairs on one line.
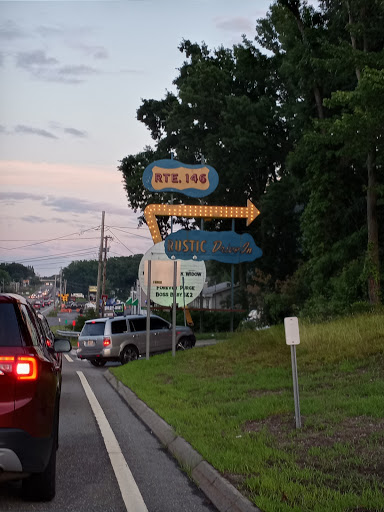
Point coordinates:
[[234, 24], [30, 130]]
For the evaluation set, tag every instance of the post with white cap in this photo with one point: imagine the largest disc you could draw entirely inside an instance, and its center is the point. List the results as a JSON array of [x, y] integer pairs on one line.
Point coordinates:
[[292, 338]]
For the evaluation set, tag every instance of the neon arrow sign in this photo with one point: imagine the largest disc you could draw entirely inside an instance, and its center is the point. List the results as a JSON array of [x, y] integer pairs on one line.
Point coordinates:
[[249, 212]]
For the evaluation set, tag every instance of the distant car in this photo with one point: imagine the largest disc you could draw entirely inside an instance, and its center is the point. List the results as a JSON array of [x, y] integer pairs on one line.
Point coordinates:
[[29, 399], [124, 338], [37, 304]]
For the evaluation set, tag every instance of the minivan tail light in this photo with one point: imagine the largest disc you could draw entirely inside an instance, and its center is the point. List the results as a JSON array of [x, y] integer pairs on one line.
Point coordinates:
[[106, 342], [26, 368]]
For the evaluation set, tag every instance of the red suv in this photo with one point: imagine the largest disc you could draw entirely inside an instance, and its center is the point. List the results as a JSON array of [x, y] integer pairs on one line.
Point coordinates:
[[30, 385]]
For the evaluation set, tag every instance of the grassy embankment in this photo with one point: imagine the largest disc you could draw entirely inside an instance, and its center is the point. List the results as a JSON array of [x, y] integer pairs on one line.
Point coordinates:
[[234, 403]]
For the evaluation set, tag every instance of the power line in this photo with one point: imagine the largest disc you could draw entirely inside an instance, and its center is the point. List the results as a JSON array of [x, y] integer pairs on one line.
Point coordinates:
[[52, 239], [128, 233], [128, 249], [31, 240], [53, 256]]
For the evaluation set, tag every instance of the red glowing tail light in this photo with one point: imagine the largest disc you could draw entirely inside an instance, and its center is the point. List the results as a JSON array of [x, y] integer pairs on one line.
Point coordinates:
[[24, 367], [106, 342]]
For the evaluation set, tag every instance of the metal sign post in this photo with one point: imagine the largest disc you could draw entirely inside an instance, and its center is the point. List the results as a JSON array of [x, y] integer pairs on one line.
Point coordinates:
[[148, 311], [174, 309], [292, 338]]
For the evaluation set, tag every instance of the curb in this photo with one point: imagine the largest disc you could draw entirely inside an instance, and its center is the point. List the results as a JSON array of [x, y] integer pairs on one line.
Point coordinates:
[[224, 496]]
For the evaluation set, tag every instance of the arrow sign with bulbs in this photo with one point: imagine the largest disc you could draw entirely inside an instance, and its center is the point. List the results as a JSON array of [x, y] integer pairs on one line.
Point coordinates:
[[249, 212]]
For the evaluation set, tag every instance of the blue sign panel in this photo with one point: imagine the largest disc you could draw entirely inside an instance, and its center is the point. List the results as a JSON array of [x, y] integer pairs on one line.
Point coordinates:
[[173, 176], [224, 246]]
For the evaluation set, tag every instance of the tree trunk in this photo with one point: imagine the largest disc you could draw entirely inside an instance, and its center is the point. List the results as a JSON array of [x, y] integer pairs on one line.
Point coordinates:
[[373, 232], [372, 223]]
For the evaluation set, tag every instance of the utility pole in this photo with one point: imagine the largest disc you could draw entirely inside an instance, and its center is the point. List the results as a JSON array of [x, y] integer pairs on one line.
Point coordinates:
[[61, 288], [100, 266], [104, 270], [54, 294]]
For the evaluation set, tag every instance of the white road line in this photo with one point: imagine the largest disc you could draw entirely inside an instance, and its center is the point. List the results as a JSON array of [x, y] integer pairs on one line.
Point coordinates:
[[130, 492], [69, 359]]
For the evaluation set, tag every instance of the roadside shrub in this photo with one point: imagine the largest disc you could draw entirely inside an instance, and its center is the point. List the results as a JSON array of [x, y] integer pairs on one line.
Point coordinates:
[[90, 314]]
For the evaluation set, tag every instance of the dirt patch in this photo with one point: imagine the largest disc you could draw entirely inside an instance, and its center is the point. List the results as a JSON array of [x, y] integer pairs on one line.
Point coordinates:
[[354, 447], [163, 378]]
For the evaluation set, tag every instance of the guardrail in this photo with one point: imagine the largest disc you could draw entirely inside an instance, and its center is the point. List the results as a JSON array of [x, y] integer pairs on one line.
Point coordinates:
[[69, 334]]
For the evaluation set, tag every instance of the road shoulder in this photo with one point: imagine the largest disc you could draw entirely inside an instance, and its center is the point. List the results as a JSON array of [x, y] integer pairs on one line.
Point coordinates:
[[224, 496]]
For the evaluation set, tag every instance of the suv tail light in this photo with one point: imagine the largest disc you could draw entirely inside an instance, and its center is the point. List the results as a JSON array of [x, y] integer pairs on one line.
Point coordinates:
[[106, 342], [24, 367]]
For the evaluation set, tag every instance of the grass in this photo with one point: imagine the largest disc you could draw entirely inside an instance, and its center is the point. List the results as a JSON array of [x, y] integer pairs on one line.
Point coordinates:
[[213, 335], [234, 403]]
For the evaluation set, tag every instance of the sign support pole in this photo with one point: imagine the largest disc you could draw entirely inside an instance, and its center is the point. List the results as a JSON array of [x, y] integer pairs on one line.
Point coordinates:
[[295, 386], [232, 285], [148, 311], [174, 309], [292, 338]]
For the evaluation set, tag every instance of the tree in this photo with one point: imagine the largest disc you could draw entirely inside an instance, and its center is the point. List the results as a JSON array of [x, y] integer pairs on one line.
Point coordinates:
[[122, 273], [226, 110], [5, 279], [320, 55], [359, 135], [17, 271]]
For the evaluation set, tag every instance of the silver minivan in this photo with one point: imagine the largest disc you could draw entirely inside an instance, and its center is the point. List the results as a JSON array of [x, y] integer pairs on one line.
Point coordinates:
[[123, 338]]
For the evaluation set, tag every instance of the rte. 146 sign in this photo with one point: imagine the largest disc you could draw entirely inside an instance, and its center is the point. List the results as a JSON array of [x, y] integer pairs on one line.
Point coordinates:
[[173, 176], [224, 246]]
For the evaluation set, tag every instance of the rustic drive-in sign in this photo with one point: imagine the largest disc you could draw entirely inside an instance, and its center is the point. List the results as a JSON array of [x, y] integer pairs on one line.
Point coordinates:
[[224, 246], [191, 247], [173, 176]]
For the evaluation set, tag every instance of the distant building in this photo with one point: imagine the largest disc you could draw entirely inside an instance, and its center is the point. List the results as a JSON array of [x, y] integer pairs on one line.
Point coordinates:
[[217, 296]]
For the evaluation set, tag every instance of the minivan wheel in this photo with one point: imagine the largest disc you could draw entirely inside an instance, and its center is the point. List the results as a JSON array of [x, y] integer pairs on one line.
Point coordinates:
[[184, 344], [130, 353], [98, 362]]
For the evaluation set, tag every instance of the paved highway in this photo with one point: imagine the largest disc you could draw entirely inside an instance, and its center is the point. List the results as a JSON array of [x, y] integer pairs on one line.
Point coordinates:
[[108, 461]]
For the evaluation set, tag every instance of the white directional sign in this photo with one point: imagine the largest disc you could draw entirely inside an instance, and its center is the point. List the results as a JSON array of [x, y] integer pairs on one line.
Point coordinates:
[[292, 336], [192, 278]]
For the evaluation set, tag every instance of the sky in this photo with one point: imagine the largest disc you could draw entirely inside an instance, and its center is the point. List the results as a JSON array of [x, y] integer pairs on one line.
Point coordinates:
[[72, 76]]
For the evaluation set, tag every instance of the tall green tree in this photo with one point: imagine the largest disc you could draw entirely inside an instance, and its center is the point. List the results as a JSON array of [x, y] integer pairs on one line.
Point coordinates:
[[321, 54]]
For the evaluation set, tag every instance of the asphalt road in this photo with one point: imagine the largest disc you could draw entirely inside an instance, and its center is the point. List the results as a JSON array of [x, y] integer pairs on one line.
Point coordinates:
[[86, 479]]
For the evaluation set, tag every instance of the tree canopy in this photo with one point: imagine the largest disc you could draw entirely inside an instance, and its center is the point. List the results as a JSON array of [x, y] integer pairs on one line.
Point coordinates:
[[294, 122], [121, 275]]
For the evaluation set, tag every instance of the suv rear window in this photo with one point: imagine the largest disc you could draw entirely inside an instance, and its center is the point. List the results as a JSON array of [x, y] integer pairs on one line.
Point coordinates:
[[93, 329], [9, 327]]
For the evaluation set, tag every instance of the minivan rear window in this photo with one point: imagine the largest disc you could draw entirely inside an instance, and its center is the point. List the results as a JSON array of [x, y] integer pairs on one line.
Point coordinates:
[[9, 327], [138, 324], [93, 329]]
